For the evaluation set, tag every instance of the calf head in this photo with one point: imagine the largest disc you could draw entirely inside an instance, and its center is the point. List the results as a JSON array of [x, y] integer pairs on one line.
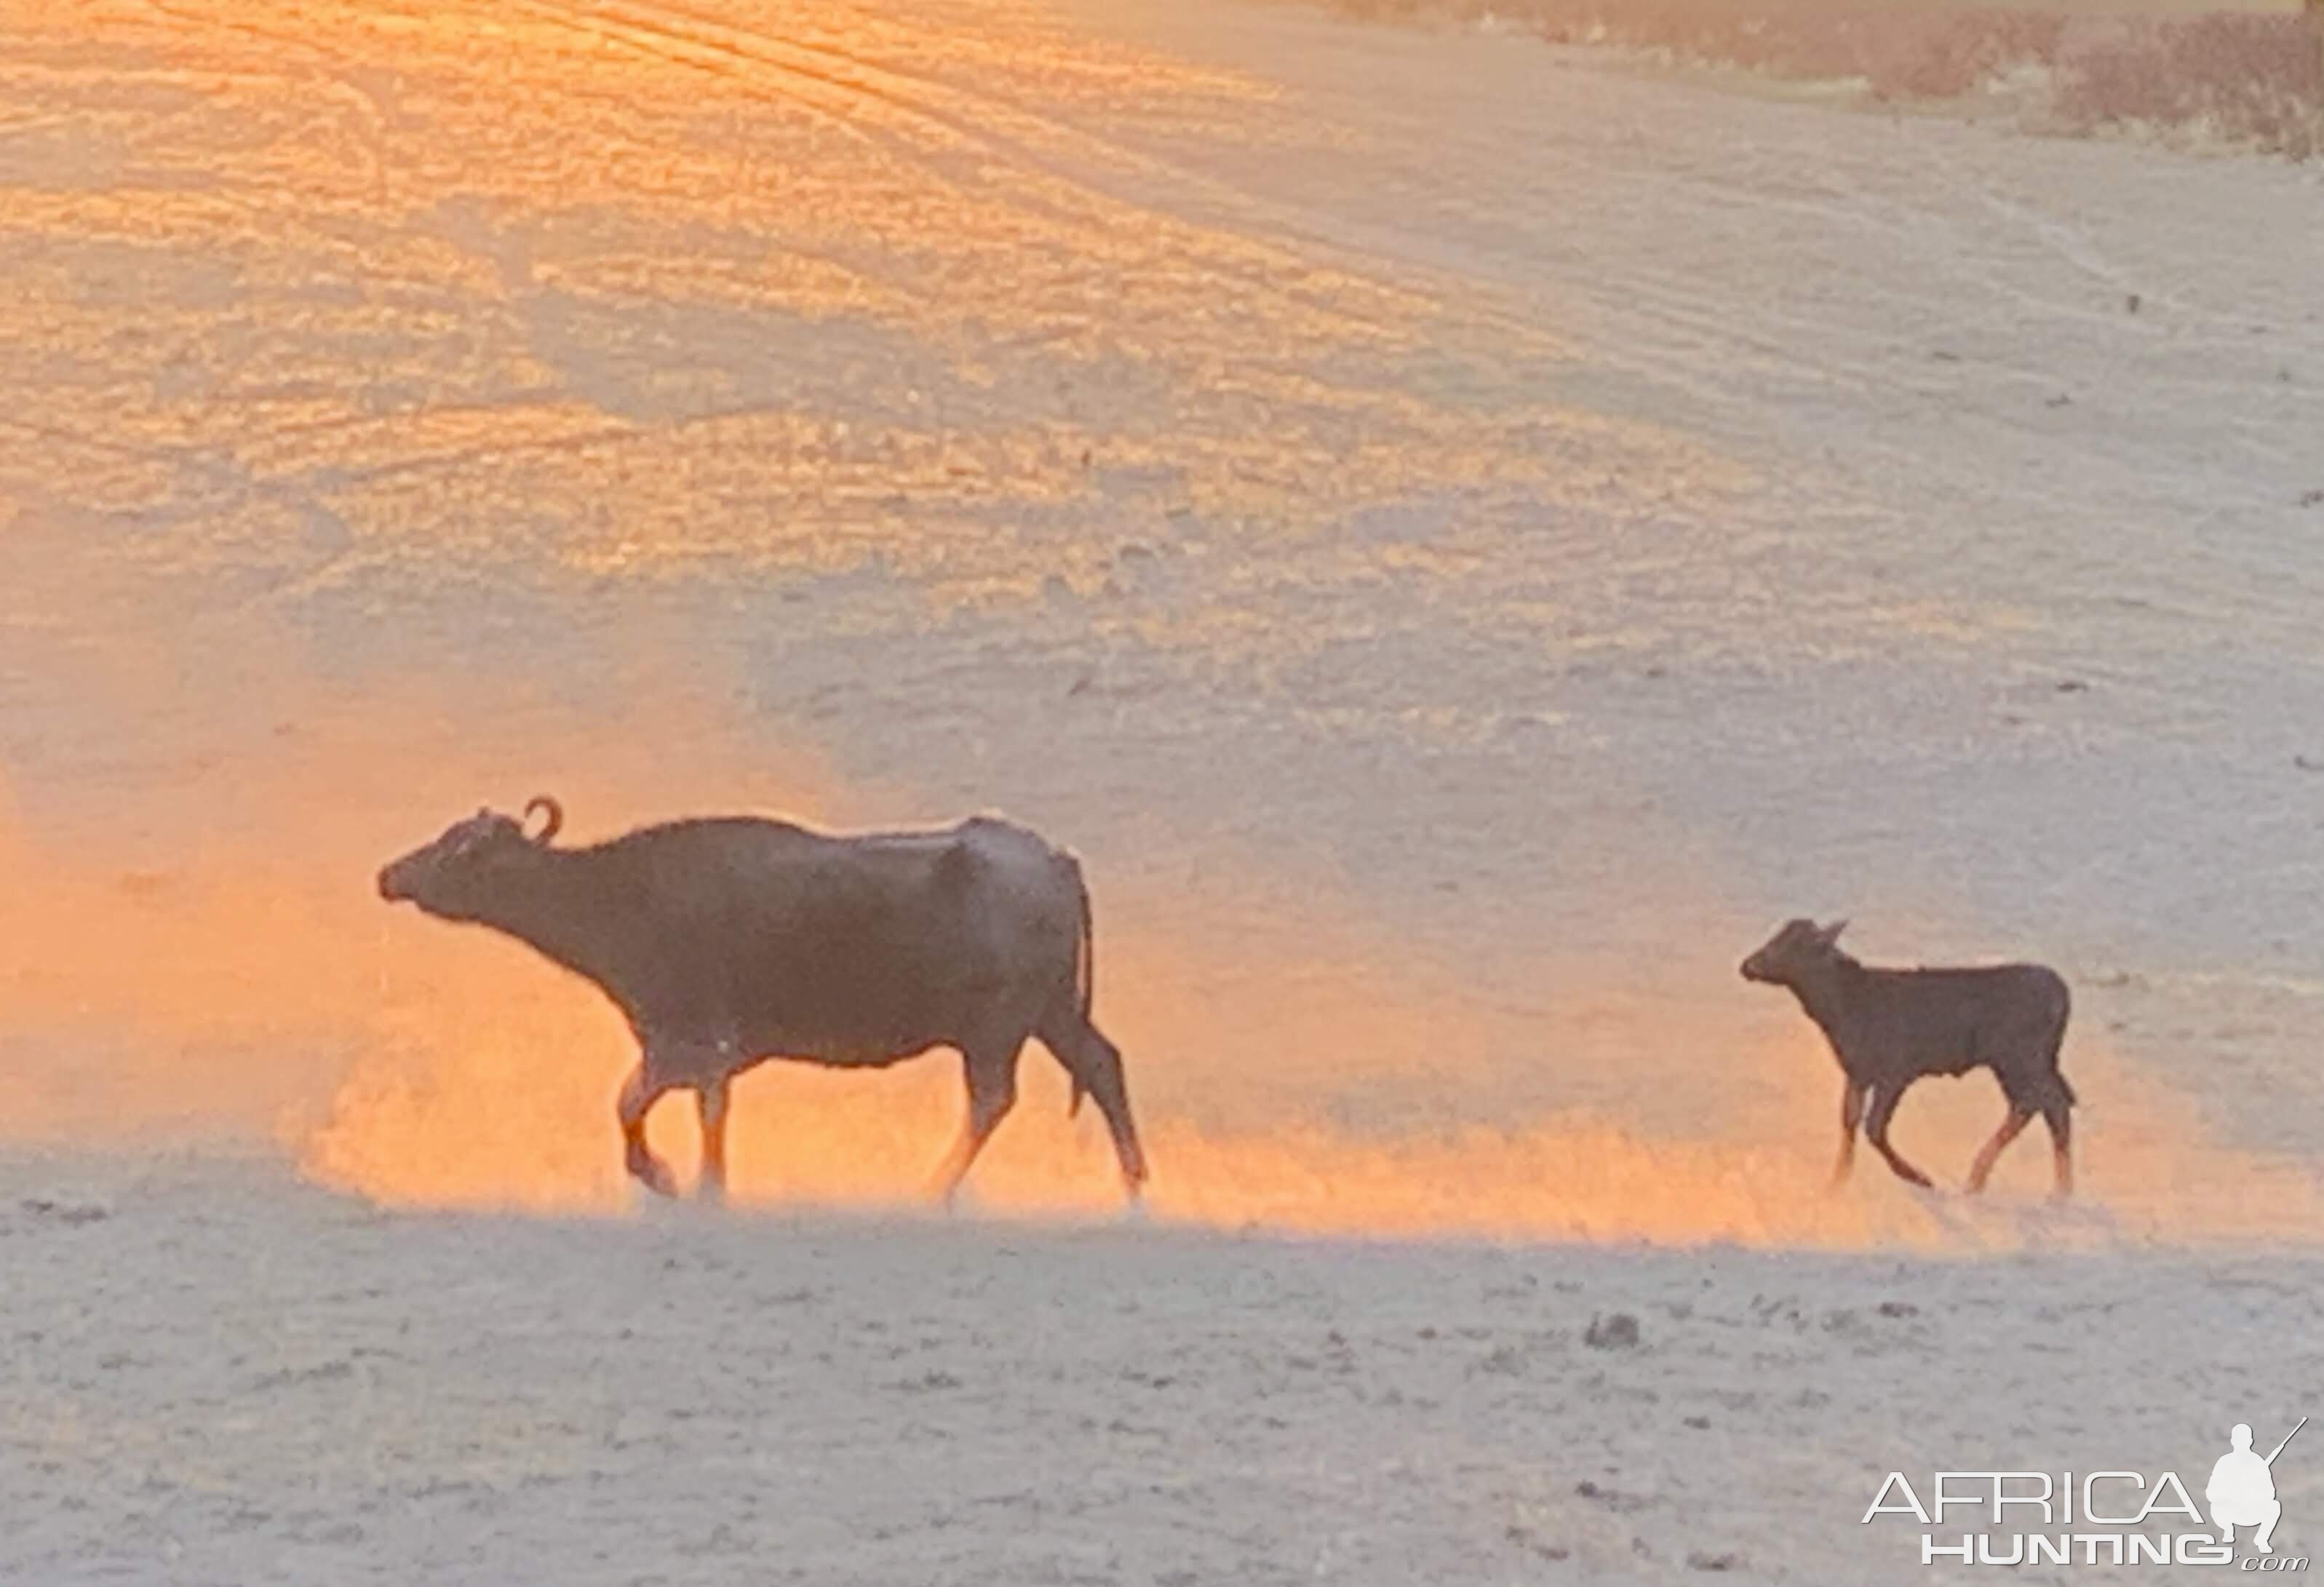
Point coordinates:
[[454, 876], [1795, 951]]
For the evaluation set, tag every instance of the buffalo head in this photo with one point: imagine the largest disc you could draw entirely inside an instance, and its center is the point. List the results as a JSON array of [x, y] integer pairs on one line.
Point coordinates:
[[1795, 949], [452, 876]]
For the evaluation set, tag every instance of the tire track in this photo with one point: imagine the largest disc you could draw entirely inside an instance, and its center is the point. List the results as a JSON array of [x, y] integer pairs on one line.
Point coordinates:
[[1014, 140]]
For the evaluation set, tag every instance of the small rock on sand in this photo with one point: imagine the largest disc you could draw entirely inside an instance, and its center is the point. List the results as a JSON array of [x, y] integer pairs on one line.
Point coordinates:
[[1618, 1331]]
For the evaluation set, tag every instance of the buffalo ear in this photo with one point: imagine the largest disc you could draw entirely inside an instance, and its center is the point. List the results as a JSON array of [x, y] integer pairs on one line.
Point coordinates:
[[1829, 935]]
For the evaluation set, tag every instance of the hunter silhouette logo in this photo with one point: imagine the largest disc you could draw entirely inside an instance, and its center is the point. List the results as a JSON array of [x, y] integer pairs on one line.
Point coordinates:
[[2102, 1518], [2242, 1489]]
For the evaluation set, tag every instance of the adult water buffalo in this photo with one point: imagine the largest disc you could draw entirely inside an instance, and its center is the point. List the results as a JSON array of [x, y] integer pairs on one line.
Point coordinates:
[[731, 940]]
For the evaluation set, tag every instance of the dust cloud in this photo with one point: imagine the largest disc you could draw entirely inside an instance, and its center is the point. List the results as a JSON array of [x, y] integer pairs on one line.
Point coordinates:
[[517, 1113], [1306, 1073]]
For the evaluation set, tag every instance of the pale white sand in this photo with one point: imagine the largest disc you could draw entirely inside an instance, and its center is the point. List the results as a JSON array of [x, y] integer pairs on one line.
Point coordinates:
[[1461, 541], [231, 1378]]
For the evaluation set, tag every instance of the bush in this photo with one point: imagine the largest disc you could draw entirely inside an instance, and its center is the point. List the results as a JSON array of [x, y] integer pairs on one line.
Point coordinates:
[[2249, 78], [2253, 80]]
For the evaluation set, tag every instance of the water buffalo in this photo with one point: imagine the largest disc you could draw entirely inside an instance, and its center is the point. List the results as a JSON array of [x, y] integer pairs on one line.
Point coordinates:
[[728, 941], [1889, 1028]]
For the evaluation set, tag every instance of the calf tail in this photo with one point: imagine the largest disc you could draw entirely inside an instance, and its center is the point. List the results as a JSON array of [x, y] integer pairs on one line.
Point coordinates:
[[1086, 972], [1084, 975], [2058, 1043]]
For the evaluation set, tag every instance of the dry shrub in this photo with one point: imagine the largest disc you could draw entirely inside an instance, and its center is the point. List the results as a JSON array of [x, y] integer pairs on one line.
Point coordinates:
[[1947, 57], [1924, 55], [2256, 80]]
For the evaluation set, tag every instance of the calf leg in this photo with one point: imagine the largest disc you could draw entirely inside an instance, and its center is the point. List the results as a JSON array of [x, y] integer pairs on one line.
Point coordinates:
[[1875, 1131], [1851, 1114], [639, 1092], [1979, 1170], [992, 1073], [710, 1098], [2058, 1114]]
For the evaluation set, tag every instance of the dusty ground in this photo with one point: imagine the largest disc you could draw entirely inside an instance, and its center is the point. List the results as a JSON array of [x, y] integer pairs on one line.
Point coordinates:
[[231, 1378], [1461, 541]]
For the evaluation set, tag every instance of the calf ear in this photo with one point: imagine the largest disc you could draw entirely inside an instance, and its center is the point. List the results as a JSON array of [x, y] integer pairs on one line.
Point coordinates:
[[1829, 934]]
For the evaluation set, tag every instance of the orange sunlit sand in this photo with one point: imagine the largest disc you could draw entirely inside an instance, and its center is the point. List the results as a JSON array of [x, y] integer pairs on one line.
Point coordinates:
[[441, 1066], [495, 1125], [1461, 535]]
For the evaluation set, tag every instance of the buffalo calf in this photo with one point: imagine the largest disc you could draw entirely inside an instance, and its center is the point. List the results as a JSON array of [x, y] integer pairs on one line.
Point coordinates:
[[1889, 1028]]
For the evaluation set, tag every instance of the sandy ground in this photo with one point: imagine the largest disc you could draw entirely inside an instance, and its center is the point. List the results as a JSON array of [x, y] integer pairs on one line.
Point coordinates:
[[1461, 541], [298, 1387]]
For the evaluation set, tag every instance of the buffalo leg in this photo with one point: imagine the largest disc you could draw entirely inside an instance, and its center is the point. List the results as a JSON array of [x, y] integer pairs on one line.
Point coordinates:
[[1851, 1114], [710, 1098], [1875, 1131], [2056, 1114], [639, 1094], [992, 1073], [1991, 1151], [1096, 1064]]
